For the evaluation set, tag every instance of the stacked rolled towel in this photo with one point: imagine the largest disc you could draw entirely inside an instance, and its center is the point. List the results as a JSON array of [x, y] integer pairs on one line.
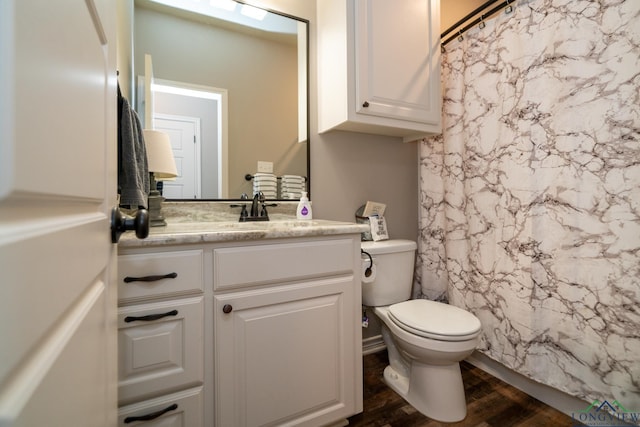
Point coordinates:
[[292, 186], [267, 183]]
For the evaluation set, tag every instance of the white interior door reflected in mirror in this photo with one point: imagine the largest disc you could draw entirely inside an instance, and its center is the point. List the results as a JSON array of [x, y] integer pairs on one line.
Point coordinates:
[[184, 133], [205, 170]]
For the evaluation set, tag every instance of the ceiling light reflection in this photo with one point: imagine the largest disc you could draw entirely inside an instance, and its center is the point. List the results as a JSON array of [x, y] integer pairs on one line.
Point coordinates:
[[229, 5], [253, 12]]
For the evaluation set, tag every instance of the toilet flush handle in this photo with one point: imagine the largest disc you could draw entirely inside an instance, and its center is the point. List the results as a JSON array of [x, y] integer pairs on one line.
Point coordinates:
[[368, 270]]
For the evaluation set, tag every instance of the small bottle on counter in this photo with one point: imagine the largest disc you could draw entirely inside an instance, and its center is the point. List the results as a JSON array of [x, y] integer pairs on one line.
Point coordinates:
[[304, 207]]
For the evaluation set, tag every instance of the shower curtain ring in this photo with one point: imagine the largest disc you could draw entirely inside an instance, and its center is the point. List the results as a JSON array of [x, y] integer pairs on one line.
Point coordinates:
[[460, 38], [509, 8], [482, 24]]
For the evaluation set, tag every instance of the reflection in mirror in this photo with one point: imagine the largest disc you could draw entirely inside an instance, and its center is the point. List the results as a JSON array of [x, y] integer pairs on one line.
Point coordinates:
[[214, 81]]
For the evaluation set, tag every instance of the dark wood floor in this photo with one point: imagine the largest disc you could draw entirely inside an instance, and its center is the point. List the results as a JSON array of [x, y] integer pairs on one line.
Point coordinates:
[[490, 403]]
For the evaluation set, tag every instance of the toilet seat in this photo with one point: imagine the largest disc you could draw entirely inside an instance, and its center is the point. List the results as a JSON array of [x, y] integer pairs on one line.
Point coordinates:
[[435, 320]]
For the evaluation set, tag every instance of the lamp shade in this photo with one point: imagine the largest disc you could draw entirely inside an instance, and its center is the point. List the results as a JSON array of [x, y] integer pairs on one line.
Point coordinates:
[[159, 154]]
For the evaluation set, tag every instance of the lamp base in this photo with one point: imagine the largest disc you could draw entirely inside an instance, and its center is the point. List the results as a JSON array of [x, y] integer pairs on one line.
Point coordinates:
[[156, 219]]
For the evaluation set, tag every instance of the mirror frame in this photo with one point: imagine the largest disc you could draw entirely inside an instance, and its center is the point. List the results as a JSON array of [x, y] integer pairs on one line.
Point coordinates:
[[307, 106]]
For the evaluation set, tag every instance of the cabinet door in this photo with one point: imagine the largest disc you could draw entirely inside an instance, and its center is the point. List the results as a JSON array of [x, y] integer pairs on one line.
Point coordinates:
[[285, 355], [397, 59]]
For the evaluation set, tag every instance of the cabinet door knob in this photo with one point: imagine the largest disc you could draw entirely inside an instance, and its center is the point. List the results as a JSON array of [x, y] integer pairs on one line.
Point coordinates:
[[227, 308], [365, 104]]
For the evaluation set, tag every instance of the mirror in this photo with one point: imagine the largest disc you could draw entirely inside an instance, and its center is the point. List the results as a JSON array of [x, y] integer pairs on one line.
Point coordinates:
[[236, 85]]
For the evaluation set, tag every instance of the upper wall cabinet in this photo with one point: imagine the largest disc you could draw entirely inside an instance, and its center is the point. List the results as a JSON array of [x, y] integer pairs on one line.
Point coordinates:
[[379, 67]]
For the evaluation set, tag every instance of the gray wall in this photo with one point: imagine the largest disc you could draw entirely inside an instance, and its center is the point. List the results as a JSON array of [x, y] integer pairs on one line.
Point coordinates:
[[347, 169]]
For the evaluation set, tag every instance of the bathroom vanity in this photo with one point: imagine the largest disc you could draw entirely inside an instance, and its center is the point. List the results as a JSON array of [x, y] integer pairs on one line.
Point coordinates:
[[241, 324]]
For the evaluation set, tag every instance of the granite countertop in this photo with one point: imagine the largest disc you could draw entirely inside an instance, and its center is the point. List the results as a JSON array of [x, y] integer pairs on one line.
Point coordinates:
[[189, 223]]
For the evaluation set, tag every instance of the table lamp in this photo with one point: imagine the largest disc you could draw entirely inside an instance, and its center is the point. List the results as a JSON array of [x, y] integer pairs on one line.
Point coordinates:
[[162, 167]]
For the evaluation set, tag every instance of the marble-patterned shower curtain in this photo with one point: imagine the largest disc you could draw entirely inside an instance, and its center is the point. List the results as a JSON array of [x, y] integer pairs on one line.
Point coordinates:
[[530, 200]]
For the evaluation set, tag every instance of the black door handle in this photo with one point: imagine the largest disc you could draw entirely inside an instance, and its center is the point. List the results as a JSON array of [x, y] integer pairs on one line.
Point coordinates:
[[121, 222]]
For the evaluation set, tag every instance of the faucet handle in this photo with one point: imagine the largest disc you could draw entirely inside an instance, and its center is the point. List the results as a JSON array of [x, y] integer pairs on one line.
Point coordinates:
[[243, 212], [264, 209]]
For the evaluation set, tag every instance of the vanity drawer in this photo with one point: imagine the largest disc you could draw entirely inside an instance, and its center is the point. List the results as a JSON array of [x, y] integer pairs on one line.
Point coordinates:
[[182, 409], [160, 348], [272, 263], [156, 274]]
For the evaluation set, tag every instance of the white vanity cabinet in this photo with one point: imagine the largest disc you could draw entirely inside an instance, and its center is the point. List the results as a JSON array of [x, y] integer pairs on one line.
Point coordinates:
[[287, 332], [161, 338], [268, 332], [379, 67]]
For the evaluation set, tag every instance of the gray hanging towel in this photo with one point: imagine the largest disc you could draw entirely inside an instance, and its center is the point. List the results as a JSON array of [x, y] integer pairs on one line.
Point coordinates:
[[133, 171]]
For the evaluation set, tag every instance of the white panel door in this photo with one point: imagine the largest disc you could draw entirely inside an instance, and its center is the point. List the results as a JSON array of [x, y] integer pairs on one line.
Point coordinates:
[[57, 186], [184, 133]]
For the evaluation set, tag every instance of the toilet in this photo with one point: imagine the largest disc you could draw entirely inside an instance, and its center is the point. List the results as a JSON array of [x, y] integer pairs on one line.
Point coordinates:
[[425, 339]]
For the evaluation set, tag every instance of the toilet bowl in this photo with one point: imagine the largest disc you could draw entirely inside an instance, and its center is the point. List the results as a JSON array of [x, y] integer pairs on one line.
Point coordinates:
[[425, 339], [425, 371]]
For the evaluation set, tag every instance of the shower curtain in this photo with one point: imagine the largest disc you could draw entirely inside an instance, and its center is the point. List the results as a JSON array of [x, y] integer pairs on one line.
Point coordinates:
[[530, 199]]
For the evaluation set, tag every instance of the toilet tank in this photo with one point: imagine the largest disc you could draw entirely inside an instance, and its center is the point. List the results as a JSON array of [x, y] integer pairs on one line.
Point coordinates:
[[393, 272]]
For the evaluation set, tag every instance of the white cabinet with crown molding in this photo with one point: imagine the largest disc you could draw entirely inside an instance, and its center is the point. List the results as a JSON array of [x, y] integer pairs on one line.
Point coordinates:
[[379, 67]]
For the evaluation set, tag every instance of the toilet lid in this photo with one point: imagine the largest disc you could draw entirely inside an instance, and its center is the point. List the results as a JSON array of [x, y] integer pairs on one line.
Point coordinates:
[[435, 320]]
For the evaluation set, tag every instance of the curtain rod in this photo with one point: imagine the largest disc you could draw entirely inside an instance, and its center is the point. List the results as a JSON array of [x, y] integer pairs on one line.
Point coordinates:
[[504, 4]]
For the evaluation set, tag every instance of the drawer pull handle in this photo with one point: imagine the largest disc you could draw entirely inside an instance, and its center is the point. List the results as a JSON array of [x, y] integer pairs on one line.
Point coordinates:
[[151, 317], [227, 308], [129, 279], [151, 416]]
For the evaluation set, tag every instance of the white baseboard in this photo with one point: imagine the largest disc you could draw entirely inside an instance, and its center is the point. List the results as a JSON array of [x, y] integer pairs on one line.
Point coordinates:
[[372, 345]]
